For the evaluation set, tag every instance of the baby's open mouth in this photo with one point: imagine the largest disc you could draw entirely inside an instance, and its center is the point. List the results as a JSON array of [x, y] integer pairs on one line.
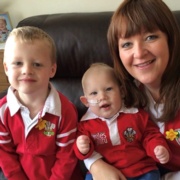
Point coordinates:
[[105, 106]]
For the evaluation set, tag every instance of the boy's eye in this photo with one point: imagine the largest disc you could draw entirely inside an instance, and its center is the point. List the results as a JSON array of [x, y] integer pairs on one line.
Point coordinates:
[[18, 63], [37, 64]]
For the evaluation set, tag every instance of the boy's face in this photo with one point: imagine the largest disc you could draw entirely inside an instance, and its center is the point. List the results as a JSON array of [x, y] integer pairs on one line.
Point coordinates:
[[102, 93], [28, 65]]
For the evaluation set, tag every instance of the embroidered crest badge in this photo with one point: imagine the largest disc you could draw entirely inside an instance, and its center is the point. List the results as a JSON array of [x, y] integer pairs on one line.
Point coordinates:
[[47, 126], [129, 134]]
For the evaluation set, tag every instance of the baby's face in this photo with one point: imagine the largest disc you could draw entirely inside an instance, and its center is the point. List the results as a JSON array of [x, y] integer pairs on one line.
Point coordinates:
[[103, 94]]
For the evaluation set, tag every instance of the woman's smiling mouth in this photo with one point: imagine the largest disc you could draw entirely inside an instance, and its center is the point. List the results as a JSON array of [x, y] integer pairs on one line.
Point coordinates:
[[142, 65]]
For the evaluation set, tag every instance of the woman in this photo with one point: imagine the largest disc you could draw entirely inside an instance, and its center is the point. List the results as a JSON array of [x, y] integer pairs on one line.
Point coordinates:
[[144, 41]]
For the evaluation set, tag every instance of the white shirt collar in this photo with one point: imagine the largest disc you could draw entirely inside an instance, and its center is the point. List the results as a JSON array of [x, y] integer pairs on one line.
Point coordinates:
[[52, 104], [155, 109], [90, 115]]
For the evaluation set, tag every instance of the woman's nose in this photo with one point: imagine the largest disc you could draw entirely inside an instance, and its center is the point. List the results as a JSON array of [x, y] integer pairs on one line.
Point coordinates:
[[139, 50]]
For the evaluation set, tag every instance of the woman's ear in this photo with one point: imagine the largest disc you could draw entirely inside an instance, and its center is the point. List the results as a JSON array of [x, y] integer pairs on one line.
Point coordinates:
[[84, 101]]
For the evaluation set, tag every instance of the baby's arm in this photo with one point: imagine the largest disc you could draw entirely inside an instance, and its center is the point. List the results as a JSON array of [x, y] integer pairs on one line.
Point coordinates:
[[83, 144], [161, 154]]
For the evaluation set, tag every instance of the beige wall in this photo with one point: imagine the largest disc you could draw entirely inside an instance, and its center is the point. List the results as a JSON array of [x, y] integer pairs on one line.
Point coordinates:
[[19, 9]]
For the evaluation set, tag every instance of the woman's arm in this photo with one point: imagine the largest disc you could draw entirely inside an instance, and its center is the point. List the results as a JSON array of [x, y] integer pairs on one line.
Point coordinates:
[[102, 170]]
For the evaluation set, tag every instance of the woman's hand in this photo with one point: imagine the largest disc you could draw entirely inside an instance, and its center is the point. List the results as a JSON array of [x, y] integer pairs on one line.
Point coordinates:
[[101, 170]]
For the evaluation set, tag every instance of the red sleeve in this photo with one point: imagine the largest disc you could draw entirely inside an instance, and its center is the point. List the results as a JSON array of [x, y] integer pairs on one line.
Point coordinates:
[[66, 159], [8, 157], [152, 137]]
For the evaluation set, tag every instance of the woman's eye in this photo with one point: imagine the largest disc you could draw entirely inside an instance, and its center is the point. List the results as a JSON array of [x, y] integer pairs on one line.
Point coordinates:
[[151, 37], [126, 45]]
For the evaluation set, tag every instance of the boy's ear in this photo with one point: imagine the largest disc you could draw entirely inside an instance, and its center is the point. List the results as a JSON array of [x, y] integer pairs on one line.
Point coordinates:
[[53, 70], [5, 69], [84, 101]]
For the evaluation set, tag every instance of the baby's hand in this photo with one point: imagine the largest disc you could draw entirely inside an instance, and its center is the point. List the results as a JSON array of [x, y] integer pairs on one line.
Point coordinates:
[[161, 154], [83, 144]]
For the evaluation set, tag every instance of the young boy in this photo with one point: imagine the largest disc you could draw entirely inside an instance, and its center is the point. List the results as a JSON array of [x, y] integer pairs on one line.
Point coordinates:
[[125, 137], [37, 123]]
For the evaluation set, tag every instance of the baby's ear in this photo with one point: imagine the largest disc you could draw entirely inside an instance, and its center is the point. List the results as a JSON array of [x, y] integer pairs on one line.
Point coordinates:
[[122, 92], [84, 101]]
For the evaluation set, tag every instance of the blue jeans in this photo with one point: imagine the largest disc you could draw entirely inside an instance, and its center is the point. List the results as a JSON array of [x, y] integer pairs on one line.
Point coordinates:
[[152, 175], [88, 177]]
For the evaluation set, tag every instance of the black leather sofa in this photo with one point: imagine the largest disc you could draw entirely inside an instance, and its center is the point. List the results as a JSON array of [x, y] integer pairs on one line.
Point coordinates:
[[80, 40]]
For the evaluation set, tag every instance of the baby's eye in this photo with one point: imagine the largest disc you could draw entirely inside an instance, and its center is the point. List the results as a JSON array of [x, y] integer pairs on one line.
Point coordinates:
[[109, 89], [93, 93]]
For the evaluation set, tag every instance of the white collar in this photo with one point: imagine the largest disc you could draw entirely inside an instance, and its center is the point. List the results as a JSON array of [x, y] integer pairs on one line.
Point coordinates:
[[52, 104], [90, 115], [156, 109]]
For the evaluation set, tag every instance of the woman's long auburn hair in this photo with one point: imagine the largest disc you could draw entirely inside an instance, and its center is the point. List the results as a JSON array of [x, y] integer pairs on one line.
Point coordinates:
[[129, 19]]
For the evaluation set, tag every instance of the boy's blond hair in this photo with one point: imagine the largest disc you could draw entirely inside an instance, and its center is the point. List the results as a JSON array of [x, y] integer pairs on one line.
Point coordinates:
[[30, 34]]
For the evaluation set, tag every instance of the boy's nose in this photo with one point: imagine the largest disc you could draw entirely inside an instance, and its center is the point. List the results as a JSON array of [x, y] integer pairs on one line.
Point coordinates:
[[27, 69]]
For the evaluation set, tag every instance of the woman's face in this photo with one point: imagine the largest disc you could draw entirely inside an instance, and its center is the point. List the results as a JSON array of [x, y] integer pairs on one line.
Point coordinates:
[[145, 56]]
